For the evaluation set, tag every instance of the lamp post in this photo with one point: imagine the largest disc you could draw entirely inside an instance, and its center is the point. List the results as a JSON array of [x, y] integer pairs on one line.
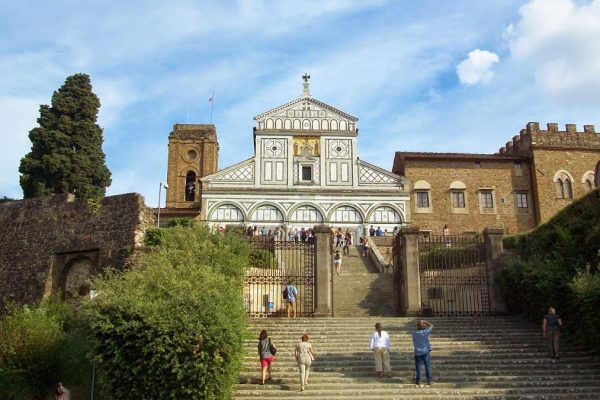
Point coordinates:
[[160, 186]]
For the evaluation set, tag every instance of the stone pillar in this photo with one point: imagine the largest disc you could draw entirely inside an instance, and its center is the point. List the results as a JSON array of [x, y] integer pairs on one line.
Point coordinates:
[[323, 278], [493, 248], [410, 271]]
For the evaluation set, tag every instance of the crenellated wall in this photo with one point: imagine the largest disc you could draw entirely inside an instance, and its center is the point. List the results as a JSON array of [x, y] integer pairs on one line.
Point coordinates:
[[56, 243]]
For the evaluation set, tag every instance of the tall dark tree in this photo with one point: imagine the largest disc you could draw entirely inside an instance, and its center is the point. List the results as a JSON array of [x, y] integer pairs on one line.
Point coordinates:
[[66, 149]]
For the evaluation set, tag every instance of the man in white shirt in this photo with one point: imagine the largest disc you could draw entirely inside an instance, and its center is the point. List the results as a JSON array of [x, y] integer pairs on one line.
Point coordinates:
[[380, 345]]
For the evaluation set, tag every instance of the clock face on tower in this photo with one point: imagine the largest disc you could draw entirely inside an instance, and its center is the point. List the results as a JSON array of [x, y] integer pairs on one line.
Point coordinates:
[[338, 148], [274, 148]]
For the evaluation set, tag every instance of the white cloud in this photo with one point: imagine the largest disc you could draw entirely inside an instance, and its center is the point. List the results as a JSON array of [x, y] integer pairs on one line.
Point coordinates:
[[559, 42], [477, 67]]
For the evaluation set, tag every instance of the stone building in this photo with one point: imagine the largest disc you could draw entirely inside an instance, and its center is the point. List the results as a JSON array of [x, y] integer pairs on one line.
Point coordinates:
[[305, 171], [529, 180]]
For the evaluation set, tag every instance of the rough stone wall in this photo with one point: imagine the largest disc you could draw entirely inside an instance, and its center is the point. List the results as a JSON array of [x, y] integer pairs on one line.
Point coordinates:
[[55, 243], [547, 163], [192, 147], [498, 175]]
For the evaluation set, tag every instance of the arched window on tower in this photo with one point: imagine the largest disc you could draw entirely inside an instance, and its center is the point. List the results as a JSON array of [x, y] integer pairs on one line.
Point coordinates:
[[588, 181], [564, 185], [190, 186]]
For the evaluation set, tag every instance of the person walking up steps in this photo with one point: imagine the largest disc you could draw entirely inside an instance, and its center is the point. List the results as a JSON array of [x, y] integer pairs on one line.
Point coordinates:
[[420, 339], [337, 261], [266, 352], [304, 355], [380, 346], [551, 331]]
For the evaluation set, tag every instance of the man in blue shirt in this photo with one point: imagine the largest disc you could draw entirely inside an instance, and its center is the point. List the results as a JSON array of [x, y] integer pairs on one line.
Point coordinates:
[[420, 339]]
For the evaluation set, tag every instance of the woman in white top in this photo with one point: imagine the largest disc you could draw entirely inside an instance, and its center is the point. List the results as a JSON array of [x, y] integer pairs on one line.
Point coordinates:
[[304, 356]]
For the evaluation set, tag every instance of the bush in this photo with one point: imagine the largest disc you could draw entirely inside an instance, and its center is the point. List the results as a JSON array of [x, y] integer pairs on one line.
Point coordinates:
[[182, 221], [173, 329], [40, 346], [262, 258], [557, 265], [154, 237]]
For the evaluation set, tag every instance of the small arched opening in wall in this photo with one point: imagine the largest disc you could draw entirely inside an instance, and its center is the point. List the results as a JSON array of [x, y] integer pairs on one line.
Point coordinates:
[[190, 186], [74, 273]]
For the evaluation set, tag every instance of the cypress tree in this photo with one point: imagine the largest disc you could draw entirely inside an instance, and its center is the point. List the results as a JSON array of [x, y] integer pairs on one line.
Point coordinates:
[[66, 148]]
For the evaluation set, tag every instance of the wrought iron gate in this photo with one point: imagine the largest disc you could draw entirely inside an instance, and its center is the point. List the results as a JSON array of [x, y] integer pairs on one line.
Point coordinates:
[[453, 275], [274, 263]]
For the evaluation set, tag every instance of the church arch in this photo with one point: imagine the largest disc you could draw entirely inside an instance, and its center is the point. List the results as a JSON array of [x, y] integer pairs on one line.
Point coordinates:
[[269, 123], [227, 212], [266, 212], [345, 214], [297, 124], [343, 125], [334, 125], [324, 125], [385, 214], [306, 213], [278, 124], [315, 124], [287, 124]]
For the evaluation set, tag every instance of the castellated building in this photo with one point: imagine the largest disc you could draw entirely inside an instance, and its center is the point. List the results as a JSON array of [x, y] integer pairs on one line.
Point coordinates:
[[306, 171], [529, 180]]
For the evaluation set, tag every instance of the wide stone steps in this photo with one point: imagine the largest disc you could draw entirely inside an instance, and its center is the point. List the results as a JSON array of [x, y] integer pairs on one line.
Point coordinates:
[[472, 358]]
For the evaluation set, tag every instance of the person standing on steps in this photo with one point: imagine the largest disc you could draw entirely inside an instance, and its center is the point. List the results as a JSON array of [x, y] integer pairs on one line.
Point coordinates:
[[304, 355], [551, 331], [422, 347], [337, 261], [365, 243], [380, 346], [290, 295], [266, 352]]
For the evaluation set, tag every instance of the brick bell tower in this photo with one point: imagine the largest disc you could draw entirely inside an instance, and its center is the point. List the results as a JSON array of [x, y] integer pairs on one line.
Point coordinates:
[[193, 153]]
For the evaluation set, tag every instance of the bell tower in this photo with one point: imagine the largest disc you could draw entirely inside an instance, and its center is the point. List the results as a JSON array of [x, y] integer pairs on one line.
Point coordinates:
[[193, 154]]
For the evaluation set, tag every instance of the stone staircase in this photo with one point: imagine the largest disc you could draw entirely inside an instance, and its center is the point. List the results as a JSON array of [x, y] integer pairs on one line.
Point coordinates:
[[487, 358], [360, 290]]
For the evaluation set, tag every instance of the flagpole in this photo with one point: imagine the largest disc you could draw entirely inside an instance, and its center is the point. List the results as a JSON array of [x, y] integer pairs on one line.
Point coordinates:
[[212, 103]]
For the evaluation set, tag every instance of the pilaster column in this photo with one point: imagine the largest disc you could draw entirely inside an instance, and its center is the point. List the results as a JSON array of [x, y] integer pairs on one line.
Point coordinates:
[[411, 295], [323, 276], [493, 248]]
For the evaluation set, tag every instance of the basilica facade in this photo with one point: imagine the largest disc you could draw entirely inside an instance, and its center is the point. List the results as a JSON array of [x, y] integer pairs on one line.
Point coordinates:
[[305, 171]]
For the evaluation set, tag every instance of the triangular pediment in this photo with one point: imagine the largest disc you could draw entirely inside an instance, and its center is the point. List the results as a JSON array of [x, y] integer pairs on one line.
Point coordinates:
[[306, 113], [369, 174], [240, 172]]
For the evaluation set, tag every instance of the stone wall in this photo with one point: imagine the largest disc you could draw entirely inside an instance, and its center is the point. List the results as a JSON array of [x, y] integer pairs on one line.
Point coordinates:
[[55, 243]]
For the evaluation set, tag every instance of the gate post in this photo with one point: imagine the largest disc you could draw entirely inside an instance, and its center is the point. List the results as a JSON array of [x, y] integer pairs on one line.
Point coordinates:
[[493, 248], [410, 271], [323, 276]]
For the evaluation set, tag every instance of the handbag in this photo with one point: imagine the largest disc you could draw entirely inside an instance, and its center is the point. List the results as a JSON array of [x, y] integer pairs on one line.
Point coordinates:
[[272, 349]]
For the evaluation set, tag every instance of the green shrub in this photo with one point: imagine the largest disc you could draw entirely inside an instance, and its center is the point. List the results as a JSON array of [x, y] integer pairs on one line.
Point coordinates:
[[548, 270], [173, 329], [154, 237], [182, 221], [40, 346], [262, 258]]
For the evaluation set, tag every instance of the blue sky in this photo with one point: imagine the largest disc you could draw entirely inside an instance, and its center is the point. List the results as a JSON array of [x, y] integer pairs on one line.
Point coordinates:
[[443, 76]]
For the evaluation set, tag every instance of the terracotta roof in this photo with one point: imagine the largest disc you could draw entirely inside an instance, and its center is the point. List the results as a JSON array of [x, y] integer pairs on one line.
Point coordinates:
[[456, 156]]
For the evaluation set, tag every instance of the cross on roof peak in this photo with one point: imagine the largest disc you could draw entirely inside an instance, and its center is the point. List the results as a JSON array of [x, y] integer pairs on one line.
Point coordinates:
[[306, 91]]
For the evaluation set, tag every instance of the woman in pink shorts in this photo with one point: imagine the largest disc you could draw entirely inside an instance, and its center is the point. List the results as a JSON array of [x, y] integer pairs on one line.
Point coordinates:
[[266, 352]]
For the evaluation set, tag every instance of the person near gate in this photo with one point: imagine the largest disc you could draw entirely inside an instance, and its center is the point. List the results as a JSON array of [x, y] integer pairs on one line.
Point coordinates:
[[290, 295], [380, 346], [266, 352], [422, 347], [304, 355], [551, 331]]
